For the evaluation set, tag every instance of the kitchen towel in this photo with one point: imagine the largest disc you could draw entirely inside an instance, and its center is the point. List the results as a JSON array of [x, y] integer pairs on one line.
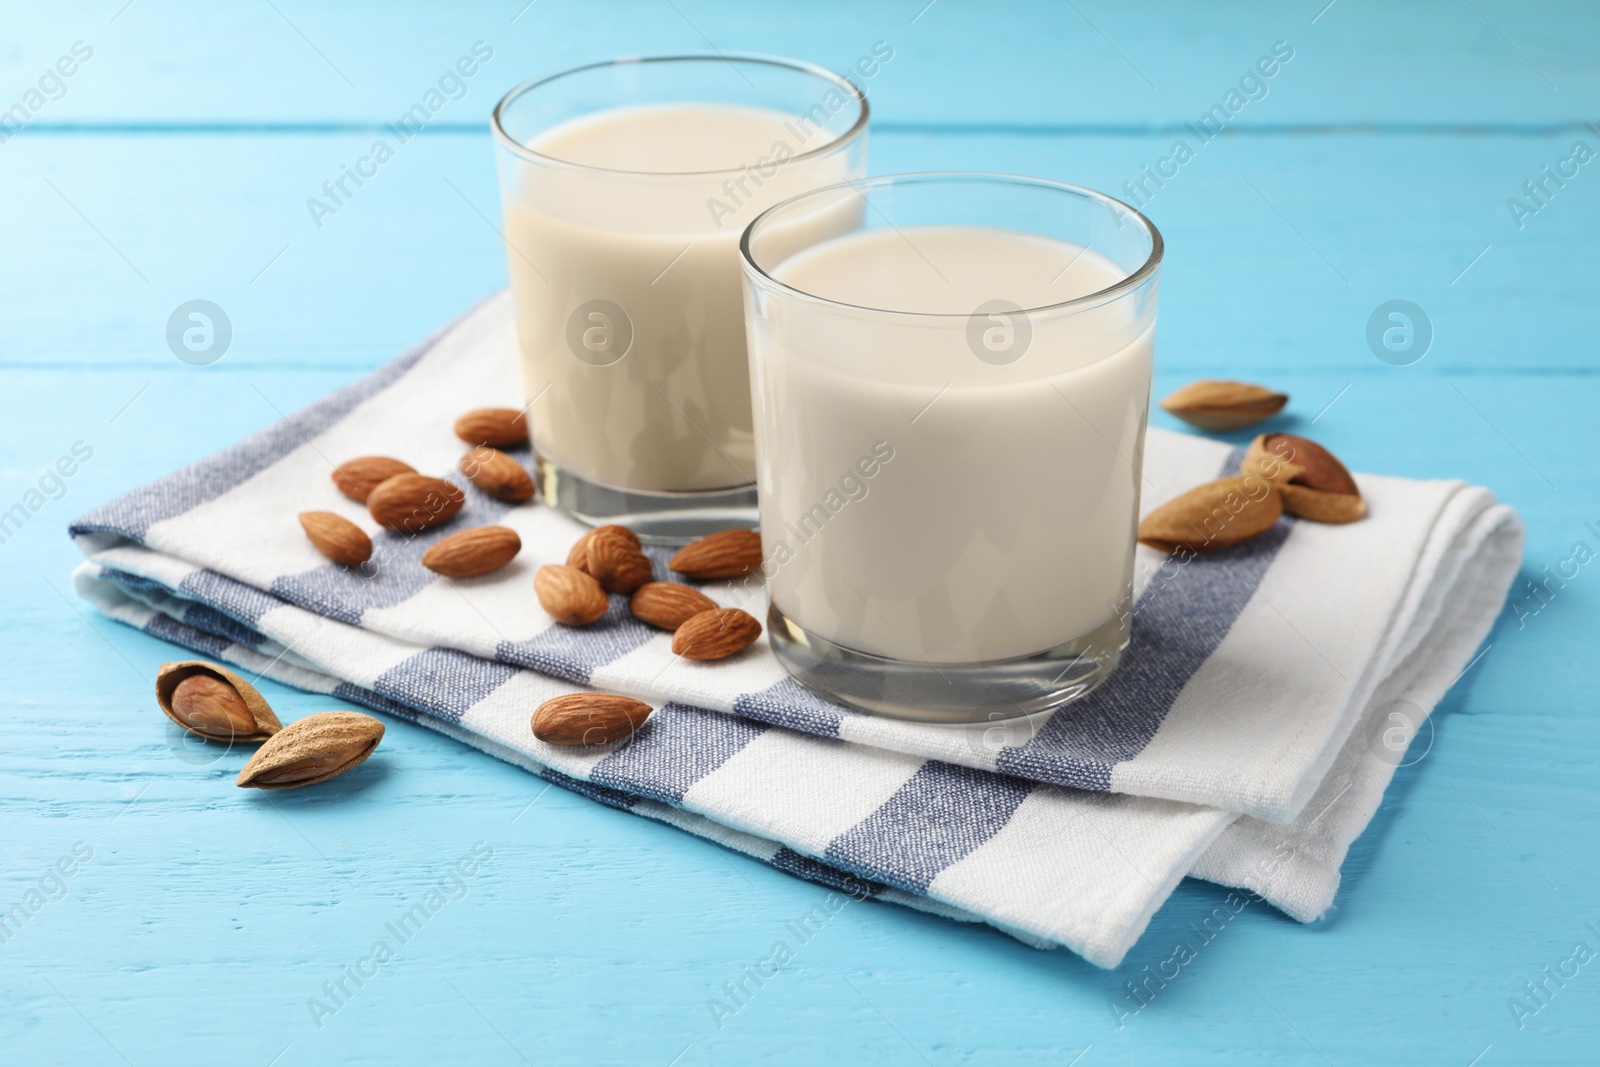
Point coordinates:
[[1269, 681]]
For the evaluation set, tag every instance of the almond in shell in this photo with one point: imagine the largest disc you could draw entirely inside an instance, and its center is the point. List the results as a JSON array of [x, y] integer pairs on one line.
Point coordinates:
[[311, 750], [715, 634], [570, 595], [1214, 516], [668, 605], [337, 537], [1223, 405], [1319, 488], [497, 474], [495, 427], [357, 478], [214, 702], [410, 503], [473, 552], [588, 718], [724, 554]]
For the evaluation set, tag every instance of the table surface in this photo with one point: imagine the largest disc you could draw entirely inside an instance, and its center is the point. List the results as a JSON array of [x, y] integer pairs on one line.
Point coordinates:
[[1377, 164]]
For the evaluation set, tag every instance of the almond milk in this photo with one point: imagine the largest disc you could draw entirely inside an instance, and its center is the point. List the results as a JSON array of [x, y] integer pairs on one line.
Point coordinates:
[[623, 259], [998, 517]]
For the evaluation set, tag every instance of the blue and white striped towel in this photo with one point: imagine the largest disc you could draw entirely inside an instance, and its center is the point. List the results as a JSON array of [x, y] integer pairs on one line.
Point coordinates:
[[1247, 737]]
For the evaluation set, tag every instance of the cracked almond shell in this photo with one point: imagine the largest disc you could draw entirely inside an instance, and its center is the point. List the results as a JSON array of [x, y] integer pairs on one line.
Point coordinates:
[[264, 723], [1320, 488]]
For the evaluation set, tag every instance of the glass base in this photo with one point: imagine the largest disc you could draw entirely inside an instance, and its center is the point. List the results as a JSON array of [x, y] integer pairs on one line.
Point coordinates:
[[950, 693], [658, 518]]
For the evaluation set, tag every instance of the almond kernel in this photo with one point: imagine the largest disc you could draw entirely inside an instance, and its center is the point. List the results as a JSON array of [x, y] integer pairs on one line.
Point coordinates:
[[410, 503], [668, 605], [336, 537], [724, 554], [473, 552], [588, 718], [496, 427], [569, 595], [497, 474], [715, 634]]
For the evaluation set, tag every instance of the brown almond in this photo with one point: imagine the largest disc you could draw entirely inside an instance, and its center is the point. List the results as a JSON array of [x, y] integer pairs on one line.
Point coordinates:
[[206, 699], [337, 537], [311, 750], [715, 634], [570, 595], [1222, 405], [1214, 516], [588, 718], [615, 558], [668, 605], [578, 557], [473, 552], [497, 474], [495, 427], [620, 533], [212, 706], [413, 502], [1320, 488], [1319, 468], [357, 478], [724, 554]]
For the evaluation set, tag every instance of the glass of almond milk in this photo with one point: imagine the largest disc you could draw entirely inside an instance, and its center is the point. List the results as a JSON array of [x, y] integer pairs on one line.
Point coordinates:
[[624, 188], [950, 401]]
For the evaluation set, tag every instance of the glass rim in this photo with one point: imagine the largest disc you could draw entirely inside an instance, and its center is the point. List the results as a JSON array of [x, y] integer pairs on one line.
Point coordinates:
[[821, 73], [1133, 281]]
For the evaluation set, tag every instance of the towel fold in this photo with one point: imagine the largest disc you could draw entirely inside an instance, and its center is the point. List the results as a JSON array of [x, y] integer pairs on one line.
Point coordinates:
[[1246, 738]]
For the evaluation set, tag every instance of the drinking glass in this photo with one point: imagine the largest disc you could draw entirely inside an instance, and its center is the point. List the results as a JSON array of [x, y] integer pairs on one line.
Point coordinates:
[[951, 381], [624, 188]]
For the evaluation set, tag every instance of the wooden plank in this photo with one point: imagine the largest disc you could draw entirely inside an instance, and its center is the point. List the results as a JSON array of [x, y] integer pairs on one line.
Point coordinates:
[[1096, 64]]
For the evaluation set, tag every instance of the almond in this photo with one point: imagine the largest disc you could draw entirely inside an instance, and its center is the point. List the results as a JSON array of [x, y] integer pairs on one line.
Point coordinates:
[[1320, 488], [1319, 468], [1218, 405], [414, 502], [212, 706], [1214, 516], [473, 552], [570, 595], [496, 427], [578, 557], [588, 718], [615, 558], [715, 634], [214, 702], [621, 533], [337, 537], [668, 605], [311, 750], [356, 478], [724, 554], [497, 474]]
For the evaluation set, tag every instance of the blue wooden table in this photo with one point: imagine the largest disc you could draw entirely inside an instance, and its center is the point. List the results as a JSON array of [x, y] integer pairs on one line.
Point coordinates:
[[170, 918]]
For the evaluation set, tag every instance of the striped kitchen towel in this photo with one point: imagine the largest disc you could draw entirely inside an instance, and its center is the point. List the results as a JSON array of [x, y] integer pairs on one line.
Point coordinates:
[[1246, 738]]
